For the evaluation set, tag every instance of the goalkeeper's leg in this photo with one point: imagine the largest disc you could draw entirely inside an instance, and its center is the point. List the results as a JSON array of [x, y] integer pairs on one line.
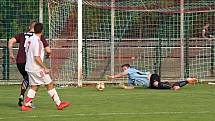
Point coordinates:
[[155, 82], [183, 83], [162, 85]]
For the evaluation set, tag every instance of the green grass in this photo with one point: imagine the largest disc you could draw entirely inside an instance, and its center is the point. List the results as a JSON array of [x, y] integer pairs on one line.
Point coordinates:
[[191, 103]]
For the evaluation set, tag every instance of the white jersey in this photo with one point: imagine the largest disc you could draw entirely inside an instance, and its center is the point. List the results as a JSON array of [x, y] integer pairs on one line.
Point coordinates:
[[33, 47]]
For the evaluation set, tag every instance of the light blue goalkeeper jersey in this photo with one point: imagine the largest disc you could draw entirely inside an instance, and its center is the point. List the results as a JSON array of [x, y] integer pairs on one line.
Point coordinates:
[[137, 78]]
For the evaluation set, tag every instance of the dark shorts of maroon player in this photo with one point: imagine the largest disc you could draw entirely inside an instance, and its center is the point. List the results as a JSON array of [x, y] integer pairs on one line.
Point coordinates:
[[21, 68]]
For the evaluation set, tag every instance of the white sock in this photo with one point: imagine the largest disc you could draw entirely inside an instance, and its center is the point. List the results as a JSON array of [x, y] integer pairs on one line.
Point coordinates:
[[31, 94], [53, 94]]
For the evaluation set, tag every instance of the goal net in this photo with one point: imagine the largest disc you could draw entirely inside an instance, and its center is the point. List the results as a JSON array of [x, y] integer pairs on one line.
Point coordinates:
[[163, 37]]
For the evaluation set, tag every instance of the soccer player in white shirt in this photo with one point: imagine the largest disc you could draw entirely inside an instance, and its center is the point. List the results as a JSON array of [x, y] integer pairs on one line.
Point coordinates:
[[37, 71]]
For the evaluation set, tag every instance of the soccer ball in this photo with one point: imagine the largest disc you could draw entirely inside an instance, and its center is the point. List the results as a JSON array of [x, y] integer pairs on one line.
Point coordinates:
[[100, 86]]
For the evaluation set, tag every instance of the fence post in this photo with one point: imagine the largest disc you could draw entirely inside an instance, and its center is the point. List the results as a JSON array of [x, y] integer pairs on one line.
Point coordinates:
[[186, 54], [157, 64], [85, 56], [212, 60], [5, 64]]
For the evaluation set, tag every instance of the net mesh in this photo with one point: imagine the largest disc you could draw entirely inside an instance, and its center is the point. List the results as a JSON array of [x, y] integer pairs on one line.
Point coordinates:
[[146, 35]]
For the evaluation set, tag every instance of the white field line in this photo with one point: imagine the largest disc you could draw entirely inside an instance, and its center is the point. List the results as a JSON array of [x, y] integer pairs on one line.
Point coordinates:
[[126, 94], [107, 114]]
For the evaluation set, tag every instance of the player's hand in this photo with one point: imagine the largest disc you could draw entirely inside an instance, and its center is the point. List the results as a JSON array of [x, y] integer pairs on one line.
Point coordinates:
[[129, 87], [12, 59], [47, 71], [107, 77], [48, 55], [123, 86], [211, 36]]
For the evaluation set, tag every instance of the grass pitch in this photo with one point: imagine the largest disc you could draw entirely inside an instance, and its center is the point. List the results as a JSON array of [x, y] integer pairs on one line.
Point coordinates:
[[191, 103]]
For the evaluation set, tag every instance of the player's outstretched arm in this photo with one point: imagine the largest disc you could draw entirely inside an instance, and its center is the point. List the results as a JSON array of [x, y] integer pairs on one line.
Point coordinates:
[[11, 42], [117, 75], [123, 86]]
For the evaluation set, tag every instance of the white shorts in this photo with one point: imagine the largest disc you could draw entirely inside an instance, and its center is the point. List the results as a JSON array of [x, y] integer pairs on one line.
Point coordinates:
[[39, 78]]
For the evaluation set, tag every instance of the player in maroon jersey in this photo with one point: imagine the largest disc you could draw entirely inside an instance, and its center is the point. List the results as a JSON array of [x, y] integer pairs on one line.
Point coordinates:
[[21, 56]]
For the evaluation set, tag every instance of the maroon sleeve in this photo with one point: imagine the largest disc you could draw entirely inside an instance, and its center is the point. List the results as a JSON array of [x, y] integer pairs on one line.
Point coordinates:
[[45, 43], [18, 36]]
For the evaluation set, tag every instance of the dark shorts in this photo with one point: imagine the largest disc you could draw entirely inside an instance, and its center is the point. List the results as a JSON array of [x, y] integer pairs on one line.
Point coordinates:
[[161, 85], [21, 68], [153, 78]]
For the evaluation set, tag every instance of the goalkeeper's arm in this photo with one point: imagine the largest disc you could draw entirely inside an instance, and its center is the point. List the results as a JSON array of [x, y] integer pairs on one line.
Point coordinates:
[[118, 75]]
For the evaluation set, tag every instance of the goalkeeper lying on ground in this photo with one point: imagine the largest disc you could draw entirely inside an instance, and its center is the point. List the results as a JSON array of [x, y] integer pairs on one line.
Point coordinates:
[[145, 79]]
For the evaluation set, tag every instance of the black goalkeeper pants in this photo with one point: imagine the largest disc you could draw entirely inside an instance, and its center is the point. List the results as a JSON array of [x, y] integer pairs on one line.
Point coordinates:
[[164, 85]]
